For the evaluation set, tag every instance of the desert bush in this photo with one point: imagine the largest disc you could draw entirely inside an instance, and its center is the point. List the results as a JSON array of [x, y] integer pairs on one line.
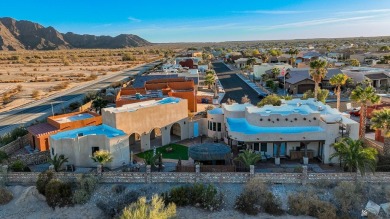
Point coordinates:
[[6, 196], [86, 184], [348, 197], [35, 94], [324, 184], [198, 195], [116, 84], [112, 207], [43, 179], [58, 193], [309, 204], [256, 197], [118, 188], [155, 209], [128, 57], [19, 166], [61, 86], [19, 87]]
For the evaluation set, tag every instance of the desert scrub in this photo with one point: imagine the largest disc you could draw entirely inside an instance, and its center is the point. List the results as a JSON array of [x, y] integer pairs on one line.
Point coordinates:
[[257, 197], [43, 179], [5, 196], [58, 193], [197, 195], [86, 186], [19, 166], [309, 204], [155, 209], [349, 197], [113, 206]]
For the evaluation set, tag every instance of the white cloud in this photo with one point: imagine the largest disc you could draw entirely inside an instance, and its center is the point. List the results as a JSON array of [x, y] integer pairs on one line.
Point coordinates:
[[133, 19], [385, 10], [270, 12]]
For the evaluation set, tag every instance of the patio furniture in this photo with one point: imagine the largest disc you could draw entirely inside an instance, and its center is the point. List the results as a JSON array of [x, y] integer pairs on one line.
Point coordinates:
[[296, 155]]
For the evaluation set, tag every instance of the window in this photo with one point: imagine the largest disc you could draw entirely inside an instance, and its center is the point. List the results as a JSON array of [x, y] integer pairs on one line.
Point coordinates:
[[256, 146], [264, 147], [52, 151], [94, 149], [214, 126], [219, 126]]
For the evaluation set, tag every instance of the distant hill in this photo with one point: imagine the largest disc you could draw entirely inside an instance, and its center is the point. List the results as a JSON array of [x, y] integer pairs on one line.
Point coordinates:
[[19, 35]]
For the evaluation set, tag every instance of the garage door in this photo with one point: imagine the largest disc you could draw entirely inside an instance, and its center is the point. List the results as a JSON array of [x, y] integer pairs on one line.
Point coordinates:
[[305, 87]]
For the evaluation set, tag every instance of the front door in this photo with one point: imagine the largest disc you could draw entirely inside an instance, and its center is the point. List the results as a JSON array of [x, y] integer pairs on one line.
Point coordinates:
[[196, 129], [282, 149]]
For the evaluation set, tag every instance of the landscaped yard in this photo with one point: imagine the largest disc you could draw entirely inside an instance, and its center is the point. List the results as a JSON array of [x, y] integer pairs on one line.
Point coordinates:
[[178, 152]]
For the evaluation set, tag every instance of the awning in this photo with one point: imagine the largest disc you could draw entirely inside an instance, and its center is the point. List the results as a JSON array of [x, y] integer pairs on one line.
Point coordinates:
[[42, 129]]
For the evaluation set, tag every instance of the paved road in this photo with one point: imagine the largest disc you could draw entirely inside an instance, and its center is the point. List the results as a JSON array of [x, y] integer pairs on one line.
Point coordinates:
[[28, 113], [234, 87]]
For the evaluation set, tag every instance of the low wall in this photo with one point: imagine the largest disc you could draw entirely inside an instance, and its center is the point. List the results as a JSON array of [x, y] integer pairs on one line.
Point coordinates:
[[373, 144], [30, 159], [176, 177], [15, 145]]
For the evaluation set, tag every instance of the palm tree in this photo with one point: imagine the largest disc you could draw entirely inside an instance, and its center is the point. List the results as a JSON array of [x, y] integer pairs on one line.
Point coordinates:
[[318, 72], [57, 161], [102, 157], [248, 157], [98, 104], [338, 81], [354, 157], [209, 80], [275, 72], [380, 120], [364, 96], [264, 57]]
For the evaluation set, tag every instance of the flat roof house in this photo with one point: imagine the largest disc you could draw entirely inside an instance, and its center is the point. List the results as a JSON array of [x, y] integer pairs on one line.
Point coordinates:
[[156, 89], [298, 128], [78, 145], [39, 133], [152, 123]]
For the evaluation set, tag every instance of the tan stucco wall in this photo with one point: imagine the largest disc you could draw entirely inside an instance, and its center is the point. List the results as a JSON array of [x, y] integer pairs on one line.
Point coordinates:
[[144, 120], [78, 150]]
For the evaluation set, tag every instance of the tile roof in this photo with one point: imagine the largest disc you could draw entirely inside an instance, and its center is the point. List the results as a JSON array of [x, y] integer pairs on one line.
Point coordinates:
[[300, 74], [41, 129]]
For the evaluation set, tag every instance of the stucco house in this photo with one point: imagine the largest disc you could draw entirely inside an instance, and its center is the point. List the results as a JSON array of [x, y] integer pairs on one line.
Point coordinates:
[[78, 145], [39, 134], [300, 128]]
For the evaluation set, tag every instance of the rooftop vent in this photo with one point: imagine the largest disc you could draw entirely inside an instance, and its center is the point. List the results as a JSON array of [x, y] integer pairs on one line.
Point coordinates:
[[80, 134], [138, 96]]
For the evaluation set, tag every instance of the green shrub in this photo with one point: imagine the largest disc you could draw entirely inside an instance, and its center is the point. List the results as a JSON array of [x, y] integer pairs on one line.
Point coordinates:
[[270, 83], [13, 135], [198, 195], [272, 99], [256, 198], [80, 196], [19, 166], [309, 204], [155, 209], [6, 196], [3, 156], [43, 179], [58, 193]]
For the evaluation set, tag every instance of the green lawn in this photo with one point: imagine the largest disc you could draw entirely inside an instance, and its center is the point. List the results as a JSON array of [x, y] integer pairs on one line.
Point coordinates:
[[179, 151]]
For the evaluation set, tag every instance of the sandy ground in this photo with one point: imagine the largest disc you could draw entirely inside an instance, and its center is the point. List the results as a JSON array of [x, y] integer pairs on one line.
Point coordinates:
[[28, 203]]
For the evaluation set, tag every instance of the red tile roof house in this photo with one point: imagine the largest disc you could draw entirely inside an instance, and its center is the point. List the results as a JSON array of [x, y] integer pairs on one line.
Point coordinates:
[[39, 133]]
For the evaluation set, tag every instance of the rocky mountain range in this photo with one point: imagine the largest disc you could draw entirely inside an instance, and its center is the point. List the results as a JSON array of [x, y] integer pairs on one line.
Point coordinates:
[[19, 35]]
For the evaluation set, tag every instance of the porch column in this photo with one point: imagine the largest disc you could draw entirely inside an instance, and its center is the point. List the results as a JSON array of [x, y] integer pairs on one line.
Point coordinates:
[[305, 158], [277, 158]]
